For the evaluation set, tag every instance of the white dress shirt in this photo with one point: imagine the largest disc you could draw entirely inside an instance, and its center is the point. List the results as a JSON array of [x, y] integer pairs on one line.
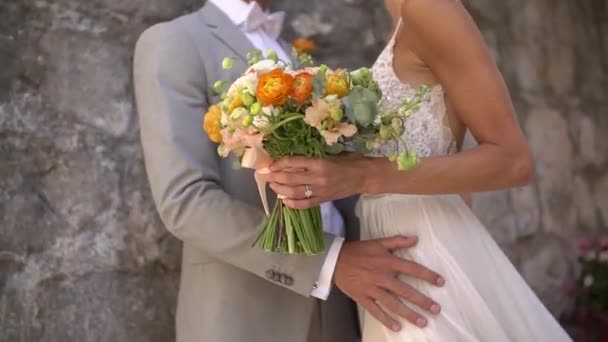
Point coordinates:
[[240, 14]]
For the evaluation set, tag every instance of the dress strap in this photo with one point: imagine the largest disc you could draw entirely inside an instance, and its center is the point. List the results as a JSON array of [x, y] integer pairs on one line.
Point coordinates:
[[397, 28], [400, 21]]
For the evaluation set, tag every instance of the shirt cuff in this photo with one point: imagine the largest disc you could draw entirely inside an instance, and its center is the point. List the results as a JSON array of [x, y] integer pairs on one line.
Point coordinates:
[[323, 286]]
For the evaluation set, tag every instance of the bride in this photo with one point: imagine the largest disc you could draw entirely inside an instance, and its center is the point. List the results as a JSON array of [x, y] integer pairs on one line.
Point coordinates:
[[436, 43]]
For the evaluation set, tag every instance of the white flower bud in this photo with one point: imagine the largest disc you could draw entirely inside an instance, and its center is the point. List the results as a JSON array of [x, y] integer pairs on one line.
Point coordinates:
[[603, 257], [590, 256], [588, 280]]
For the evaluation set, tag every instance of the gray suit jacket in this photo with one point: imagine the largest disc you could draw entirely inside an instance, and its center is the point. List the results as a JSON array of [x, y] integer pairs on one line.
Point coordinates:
[[230, 292]]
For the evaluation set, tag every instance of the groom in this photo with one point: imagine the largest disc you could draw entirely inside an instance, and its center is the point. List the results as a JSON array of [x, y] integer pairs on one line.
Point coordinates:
[[231, 292]]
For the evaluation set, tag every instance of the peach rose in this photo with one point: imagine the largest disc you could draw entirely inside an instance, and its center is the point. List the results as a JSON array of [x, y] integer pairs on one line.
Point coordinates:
[[315, 114], [236, 141], [338, 129]]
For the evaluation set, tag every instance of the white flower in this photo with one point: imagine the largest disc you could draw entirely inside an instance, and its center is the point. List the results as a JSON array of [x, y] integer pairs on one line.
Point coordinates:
[[377, 120], [263, 66], [223, 151], [374, 145], [271, 110], [261, 121], [603, 256], [239, 113], [588, 281], [312, 70], [251, 86], [590, 256], [331, 98], [224, 119], [248, 82]]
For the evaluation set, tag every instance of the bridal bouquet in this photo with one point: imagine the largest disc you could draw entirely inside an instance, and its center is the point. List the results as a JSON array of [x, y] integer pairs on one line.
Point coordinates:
[[276, 109]]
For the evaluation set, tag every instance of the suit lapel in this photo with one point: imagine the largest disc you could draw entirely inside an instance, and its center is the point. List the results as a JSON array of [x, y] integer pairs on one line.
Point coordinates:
[[225, 31]]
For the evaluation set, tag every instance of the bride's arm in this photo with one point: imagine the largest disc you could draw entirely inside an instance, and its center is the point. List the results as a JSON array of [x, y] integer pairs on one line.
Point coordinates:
[[445, 37]]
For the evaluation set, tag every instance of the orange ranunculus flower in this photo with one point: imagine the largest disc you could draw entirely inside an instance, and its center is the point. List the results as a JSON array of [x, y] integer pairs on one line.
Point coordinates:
[[274, 87], [302, 87], [337, 84], [212, 124], [304, 45]]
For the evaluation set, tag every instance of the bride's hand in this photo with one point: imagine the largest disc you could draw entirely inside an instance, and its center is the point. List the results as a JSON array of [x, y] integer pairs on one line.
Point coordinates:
[[327, 179]]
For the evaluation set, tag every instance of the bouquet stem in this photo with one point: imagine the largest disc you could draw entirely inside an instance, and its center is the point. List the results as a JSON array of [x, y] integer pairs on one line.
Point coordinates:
[[292, 231]]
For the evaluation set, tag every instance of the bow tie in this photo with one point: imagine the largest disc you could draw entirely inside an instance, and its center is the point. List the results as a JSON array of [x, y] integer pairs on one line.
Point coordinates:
[[257, 19]]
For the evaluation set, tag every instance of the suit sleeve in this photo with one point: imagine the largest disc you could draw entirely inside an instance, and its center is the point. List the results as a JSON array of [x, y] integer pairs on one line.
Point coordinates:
[[183, 166]]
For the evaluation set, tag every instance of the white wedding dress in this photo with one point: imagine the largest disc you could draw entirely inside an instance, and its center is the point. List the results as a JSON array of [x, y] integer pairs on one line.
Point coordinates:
[[484, 298]]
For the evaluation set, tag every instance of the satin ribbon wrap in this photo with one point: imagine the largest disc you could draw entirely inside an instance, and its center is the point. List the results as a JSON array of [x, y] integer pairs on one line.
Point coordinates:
[[259, 160]]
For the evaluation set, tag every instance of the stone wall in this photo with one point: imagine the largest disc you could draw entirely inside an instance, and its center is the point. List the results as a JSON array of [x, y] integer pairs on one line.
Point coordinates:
[[83, 256], [554, 56]]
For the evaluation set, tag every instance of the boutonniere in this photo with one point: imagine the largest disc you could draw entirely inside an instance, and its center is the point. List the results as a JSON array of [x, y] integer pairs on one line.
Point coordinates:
[[304, 46]]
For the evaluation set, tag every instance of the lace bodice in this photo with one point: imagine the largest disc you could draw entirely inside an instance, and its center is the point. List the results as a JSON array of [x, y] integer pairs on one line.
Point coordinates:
[[427, 131]]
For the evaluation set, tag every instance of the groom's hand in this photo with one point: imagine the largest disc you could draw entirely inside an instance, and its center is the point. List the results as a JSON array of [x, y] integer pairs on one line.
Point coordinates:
[[367, 272]]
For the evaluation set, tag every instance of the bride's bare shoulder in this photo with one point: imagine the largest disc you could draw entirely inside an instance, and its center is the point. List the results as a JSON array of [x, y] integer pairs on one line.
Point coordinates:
[[430, 3], [438, 21], [432, 10]]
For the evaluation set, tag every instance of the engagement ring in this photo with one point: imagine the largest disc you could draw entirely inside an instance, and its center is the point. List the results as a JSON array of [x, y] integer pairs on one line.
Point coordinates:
[[308, 192]]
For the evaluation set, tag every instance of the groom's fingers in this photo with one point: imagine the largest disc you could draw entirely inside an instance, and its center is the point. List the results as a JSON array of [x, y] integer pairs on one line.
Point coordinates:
[[411, 295], [380, 315], [392, 304], [413, 269], [408, 267], [398, 242]]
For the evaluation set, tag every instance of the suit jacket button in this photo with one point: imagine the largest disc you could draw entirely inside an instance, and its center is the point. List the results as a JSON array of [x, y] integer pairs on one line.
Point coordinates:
[[288, 281], [270, 274]]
